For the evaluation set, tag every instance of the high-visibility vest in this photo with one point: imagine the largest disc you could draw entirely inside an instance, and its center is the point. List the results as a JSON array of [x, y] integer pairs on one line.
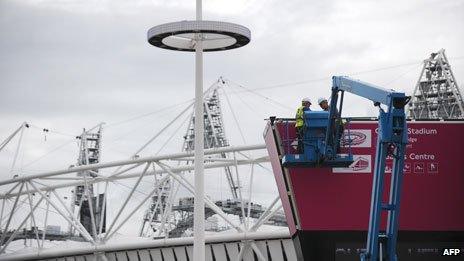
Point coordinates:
[[299, 116]]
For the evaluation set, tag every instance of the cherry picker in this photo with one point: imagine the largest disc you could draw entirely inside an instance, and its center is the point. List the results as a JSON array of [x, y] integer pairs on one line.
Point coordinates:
[[322, 139]]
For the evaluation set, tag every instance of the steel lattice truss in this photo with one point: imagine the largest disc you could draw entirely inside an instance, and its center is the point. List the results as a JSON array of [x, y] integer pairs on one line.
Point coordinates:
[[215, 135], [166, 218], [44, 191], [436, 95], [84, 200]]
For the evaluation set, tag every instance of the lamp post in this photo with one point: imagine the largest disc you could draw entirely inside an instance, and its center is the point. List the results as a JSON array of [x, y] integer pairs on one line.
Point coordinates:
[[199, 36]]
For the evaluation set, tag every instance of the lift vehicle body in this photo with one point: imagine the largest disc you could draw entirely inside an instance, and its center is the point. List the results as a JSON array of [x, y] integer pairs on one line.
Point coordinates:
[[323, 150]]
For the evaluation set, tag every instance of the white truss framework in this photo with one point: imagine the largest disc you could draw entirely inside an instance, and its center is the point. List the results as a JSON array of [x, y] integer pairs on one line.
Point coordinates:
[[44, 188], [437, 94], [155, 222]]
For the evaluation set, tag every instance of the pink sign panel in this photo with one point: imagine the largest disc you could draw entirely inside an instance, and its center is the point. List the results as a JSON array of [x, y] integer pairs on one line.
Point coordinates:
[[339, 198]]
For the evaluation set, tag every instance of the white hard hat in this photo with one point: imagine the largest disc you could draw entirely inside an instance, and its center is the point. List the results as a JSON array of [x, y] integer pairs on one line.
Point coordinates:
[[306, 100], [320, 100]]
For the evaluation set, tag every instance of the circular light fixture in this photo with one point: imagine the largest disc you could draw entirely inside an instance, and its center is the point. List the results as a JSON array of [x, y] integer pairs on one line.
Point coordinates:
[[215, 36]]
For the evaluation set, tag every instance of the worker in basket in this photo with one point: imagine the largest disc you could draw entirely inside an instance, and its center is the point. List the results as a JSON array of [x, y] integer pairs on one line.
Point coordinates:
[[323, 103], [339, 123], [299, 122]]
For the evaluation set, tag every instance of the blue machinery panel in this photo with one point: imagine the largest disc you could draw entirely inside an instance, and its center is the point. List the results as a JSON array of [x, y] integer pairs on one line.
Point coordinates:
[[315, 152], [321, 141]]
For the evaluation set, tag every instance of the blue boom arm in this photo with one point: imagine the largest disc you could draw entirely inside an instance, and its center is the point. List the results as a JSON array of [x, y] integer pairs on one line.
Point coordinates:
[[391, 141], [377, 94], [366, 90]]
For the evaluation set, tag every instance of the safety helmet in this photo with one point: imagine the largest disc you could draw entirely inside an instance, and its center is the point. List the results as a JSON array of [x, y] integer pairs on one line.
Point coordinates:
[[320, 100], [306, 100]]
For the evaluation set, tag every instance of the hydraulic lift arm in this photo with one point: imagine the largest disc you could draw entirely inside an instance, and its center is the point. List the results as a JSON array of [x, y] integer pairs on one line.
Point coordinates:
[[391, 141]]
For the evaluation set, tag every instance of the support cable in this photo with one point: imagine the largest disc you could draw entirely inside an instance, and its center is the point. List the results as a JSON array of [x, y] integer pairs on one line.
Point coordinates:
[[18, 147], [260, 95], [147, 124], [172, 135], [402, 75], [9, 138], [348, 74], [59, 147], [51, 131], [148, 114], [234, 116], [253, 110], [49, 152]]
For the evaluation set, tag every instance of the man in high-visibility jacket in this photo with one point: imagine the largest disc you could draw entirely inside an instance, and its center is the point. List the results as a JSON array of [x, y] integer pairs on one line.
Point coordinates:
[[299, 122]]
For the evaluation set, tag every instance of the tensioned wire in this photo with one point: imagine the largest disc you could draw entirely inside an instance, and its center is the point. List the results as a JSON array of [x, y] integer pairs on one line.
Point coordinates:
[[67, 142], [280, 85]]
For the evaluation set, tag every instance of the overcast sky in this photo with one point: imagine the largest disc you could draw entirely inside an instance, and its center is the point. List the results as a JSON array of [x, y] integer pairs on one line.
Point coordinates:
[[70, 64]]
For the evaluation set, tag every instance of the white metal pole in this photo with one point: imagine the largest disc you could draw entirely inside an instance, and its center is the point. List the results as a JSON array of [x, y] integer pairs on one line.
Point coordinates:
[[186, 184], [7, 140], [103, 211], [44, 232], [264, 215], [16, 231], [136, 208], [18, 147], [157, 204], [121, 209], [199, 203], [250, 191], [1, 212], [2, 237], [33, 219]]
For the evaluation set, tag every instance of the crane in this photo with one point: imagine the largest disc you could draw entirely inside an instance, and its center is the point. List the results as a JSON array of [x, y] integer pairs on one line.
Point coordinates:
[[322, 149]]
